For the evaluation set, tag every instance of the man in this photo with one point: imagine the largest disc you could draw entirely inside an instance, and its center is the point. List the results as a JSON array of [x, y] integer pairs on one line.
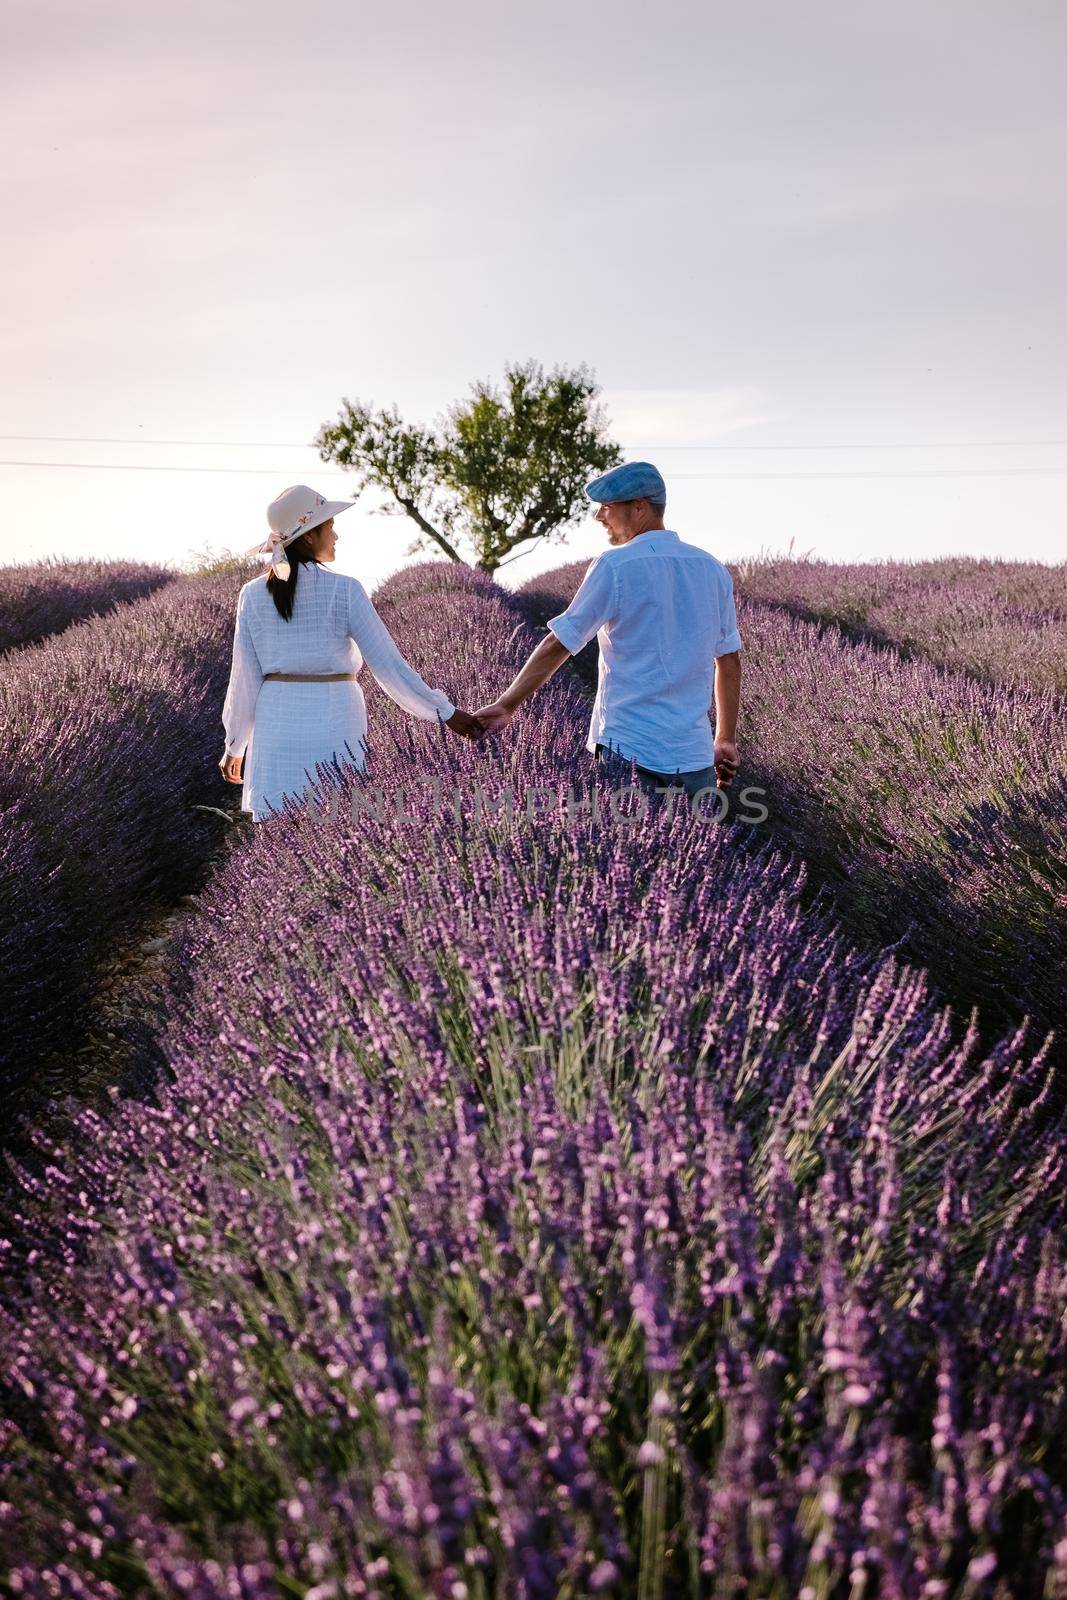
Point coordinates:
[[663, 612]]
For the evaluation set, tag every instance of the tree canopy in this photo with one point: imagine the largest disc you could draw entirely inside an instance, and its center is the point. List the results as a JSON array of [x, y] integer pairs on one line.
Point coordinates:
[[500, 470]]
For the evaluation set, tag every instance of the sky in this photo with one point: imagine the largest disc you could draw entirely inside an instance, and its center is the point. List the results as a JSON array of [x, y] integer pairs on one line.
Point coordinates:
[[815, 256]]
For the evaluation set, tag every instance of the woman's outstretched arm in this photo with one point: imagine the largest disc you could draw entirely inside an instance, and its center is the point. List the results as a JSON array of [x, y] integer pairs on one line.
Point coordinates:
[[382, 654]]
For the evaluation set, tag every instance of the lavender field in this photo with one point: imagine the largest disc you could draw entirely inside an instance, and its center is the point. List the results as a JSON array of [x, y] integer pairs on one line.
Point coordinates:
[[1000, 621], [535, 1195], [44, 597]]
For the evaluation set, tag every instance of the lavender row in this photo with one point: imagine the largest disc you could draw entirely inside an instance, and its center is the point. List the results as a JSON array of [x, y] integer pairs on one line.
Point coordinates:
[[1000, 621], [108, 740], [41, 598], [935, 805], [539, 1207]]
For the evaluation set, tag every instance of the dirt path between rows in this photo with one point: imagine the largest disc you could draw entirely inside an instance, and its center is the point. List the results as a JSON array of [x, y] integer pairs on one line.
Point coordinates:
[[116, 1053]]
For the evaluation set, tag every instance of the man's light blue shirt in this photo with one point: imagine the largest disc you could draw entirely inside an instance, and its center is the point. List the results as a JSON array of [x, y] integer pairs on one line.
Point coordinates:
[[662, 610]]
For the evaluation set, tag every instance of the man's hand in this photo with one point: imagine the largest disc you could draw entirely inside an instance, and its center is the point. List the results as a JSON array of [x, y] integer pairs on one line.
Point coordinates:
[[494, 718], [230, 767], [727, 762], [465, 725]]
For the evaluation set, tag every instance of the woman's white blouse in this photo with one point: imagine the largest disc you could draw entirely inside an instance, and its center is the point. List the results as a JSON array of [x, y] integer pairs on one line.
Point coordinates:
[[334, 628]]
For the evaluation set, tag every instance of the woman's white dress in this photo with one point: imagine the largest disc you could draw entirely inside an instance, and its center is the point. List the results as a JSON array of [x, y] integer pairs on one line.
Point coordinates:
[[283, 729]]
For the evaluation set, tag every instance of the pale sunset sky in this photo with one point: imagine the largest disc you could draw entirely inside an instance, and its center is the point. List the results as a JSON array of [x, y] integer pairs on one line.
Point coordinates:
[[815, 255]]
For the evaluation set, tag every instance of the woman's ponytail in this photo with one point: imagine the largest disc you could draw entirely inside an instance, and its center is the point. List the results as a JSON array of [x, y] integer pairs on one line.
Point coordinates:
[[283, 589]]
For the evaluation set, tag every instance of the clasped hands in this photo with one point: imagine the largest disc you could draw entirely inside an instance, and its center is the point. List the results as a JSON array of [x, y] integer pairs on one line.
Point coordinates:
[[475, 725]]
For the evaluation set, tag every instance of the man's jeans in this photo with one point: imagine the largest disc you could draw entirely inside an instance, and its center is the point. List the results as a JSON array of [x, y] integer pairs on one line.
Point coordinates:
[[620, 766]]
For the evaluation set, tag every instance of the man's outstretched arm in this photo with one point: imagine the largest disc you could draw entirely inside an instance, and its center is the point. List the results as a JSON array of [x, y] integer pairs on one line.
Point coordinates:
[[548, 657]]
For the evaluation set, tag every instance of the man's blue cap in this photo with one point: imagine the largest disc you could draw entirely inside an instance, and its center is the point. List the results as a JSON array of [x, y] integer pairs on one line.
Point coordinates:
[[634, 480]]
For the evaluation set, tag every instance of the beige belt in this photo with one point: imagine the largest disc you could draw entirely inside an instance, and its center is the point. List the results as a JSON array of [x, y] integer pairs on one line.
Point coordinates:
[[305, 677]]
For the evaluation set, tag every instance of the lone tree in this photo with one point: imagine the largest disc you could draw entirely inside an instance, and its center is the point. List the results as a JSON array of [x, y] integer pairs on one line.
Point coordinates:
[[499, 471]]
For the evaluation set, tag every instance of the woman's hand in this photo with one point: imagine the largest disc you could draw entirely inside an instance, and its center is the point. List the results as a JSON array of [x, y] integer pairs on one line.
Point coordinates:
[[464, 724], [230, 767]]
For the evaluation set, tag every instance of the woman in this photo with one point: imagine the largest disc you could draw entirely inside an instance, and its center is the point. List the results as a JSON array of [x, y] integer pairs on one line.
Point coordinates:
[[301, 637]]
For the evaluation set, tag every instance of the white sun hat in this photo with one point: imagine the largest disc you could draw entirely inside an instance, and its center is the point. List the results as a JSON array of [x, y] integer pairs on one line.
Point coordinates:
[[295, 511]]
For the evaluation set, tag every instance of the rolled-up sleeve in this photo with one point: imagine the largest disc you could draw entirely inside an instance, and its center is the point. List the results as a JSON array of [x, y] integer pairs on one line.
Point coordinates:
[[246, 675], [729, 638], [382, 655], [592, 606]]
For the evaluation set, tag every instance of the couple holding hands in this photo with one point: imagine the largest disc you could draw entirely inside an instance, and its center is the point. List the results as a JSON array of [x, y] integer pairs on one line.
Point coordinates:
[[663, 612]]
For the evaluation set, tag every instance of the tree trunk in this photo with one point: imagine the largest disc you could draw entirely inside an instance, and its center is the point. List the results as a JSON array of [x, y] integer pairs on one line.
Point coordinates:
[[428, 529]]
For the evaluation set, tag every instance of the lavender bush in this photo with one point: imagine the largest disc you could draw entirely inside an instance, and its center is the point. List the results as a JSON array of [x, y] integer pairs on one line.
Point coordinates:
[[44, 597], [1000, 621], [109, 735], [935, 805], [539, 1208]]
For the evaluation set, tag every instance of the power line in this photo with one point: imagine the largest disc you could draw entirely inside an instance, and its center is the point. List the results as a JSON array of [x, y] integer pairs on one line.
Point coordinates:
[[764, 477], [268, 444], [958, 444], [918, 472], [125, 466], [221, 444]]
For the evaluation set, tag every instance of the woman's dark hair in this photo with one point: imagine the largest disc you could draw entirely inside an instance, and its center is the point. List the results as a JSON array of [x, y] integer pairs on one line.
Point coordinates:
[[283, 589]]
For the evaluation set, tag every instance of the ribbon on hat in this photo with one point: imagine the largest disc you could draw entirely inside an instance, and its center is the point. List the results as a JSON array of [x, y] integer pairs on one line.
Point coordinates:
[[279, 564]]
